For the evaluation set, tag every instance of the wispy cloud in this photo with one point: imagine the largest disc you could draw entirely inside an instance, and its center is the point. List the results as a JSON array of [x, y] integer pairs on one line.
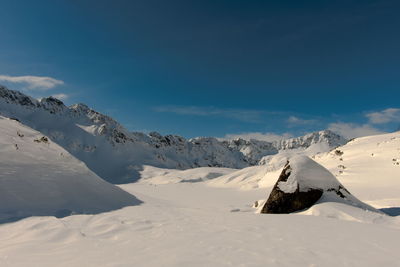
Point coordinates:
[[296, 121], [384, 116], [254, 116], [269, 137], [353, 130], [38, 83]]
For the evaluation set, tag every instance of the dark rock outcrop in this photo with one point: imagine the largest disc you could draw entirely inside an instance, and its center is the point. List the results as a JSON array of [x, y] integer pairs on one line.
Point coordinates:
[[282, 202]]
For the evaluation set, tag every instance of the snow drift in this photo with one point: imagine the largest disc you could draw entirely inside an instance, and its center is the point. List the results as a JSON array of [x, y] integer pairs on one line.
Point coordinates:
[[38, 177]]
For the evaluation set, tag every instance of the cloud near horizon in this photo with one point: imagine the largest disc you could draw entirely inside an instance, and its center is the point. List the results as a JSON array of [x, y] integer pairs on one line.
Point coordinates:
[[353, 130], [33, 83], [384, 116]]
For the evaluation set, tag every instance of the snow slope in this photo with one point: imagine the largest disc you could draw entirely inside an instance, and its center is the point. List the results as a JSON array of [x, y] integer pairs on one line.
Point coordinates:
[[247, 178], [157, 176], [38, 177], [369, 168]]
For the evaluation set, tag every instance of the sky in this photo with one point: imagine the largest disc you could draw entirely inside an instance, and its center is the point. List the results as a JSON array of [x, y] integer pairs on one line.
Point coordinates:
[[253, 69]]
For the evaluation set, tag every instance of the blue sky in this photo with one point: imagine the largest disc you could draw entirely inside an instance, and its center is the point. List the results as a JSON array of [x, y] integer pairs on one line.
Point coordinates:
[[212, 68]]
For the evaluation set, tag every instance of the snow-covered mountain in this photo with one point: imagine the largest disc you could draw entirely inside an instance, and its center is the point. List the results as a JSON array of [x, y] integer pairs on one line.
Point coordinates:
[[38, 177], [118, 155]]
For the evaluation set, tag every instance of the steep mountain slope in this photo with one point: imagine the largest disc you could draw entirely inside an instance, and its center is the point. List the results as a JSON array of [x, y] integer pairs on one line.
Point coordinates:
[[118, 155], [38, 177]]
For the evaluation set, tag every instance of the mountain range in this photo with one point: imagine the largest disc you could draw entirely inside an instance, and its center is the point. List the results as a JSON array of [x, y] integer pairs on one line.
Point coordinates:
[[118, 155]]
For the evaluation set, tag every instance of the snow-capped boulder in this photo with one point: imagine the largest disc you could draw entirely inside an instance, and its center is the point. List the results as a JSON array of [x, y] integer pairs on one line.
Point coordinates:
[[302, 183]]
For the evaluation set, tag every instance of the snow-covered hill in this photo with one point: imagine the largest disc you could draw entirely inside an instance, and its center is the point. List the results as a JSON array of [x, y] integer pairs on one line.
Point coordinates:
[[369, 167], [118, 156], [38, 177]]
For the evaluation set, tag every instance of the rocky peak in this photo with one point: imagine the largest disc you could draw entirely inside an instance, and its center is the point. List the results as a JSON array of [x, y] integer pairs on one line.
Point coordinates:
[[167, 140], [15, 97], [107, 125], [53, 105]]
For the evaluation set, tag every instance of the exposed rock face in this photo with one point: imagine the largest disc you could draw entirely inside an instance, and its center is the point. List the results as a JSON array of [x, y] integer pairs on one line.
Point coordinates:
[[301, 184]]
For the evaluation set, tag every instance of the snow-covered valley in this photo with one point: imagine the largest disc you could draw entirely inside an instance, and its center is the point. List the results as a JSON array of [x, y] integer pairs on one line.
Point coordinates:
[[188, 224], [54, 161]]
